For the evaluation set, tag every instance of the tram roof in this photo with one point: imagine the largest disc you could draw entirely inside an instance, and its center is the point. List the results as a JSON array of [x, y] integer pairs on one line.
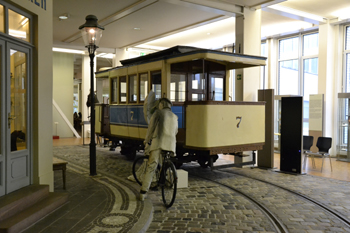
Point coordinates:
[[232, 60]]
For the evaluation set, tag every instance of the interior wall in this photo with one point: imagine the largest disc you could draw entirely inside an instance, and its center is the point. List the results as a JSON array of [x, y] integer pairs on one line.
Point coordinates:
[[63, 84]]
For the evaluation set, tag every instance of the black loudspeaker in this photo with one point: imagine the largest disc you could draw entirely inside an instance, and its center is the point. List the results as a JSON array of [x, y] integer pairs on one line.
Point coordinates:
[[291, 134]]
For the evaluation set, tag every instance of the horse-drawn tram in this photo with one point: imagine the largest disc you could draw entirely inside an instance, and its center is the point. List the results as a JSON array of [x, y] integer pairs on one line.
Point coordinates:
[[197, 82]]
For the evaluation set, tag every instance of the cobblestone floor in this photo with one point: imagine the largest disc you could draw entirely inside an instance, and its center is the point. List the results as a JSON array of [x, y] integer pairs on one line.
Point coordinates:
[[206, 206]]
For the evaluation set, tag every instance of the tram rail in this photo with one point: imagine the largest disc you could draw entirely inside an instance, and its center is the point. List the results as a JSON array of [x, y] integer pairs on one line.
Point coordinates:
[[278, 223], [326, 208], [274, 220]]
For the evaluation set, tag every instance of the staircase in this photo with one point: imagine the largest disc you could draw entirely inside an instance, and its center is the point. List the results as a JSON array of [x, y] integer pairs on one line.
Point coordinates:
[[22, 208]]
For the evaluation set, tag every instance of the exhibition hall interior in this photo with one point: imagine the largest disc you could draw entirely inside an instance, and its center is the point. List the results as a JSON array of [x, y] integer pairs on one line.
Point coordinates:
[[260, 90], [290, 39]]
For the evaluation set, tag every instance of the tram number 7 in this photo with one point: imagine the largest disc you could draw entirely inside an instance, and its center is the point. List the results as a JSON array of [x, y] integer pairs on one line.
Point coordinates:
[[240, 119]]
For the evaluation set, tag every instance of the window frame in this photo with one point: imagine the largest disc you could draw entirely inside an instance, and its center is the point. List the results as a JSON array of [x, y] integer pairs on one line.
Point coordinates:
[[129, 99], [121, 79], [6, 7], [151, 82], [139, 86], [346, 52], [113, 101]]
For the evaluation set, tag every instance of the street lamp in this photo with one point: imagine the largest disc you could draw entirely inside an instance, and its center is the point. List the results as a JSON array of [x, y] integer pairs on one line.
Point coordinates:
[[92, 33]]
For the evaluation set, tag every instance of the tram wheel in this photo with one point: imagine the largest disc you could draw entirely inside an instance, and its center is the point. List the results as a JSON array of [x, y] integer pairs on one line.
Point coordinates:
[[203, 163]]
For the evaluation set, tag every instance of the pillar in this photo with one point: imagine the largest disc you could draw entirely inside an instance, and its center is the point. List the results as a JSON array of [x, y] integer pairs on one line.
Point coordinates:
[[248, 41], [330, 77], [270, 80], [120, 54]]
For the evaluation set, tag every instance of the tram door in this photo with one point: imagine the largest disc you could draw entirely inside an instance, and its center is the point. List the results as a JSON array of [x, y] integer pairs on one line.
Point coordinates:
[[15, 145]]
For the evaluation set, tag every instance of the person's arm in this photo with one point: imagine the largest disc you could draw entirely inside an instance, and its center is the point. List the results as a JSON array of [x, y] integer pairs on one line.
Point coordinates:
[[151, 127]]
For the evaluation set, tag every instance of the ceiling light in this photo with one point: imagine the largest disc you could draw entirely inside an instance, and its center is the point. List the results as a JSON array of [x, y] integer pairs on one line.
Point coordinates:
[[297, 12], [68, 50], [64, 16], [18, 34], [106, 55], [208, 33], [24, 21], [138, 29]]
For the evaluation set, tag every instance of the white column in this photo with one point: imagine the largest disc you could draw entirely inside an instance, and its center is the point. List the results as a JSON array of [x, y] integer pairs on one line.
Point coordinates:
[[85, 90], [248, 41], [252, 46], [120, 54], [330, 78], [271, 65]]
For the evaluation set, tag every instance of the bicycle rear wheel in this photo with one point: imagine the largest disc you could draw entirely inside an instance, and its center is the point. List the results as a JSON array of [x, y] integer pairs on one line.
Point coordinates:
[[139, 168], [170, 184]]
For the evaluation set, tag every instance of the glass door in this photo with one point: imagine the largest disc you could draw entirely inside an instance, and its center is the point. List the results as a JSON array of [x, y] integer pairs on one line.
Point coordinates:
[[2, 120], [18, 159]]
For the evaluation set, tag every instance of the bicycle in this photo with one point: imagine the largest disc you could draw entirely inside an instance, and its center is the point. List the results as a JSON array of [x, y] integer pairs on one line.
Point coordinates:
[[165, 176]]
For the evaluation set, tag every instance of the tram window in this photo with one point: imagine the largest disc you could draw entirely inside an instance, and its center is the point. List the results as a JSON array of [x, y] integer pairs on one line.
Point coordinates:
[[114, 90], [216, 88], [143, 86], [122, 91], [198, 81], [132, 88], [178, 87], [198, 97], [156, 83]]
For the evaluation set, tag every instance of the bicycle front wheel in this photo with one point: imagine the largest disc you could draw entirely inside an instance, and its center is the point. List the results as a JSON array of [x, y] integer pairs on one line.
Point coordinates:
[[170, 184], [139, 168]]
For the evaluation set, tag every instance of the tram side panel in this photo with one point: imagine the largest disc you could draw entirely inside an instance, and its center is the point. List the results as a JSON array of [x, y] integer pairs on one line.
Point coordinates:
[[225, 128], [127, 121]]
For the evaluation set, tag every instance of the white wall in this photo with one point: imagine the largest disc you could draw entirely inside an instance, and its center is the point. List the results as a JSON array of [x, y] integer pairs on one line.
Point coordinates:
[[63, 72]]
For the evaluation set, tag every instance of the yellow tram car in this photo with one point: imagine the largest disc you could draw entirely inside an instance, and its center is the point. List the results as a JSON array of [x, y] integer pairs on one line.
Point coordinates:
[[197, 82]]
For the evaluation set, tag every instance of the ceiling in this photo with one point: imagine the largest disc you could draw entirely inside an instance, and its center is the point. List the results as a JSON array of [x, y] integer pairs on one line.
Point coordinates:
[[202, 23]]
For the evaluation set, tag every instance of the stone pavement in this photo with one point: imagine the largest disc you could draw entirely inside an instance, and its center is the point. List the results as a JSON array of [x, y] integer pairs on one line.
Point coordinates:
[[108, 202]]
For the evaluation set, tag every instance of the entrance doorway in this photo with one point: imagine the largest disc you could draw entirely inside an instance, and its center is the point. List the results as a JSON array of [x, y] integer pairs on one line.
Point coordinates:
[[15, 127]]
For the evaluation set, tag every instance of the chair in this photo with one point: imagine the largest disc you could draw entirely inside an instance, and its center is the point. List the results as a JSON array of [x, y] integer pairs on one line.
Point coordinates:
[[307, 143], [324, 144]]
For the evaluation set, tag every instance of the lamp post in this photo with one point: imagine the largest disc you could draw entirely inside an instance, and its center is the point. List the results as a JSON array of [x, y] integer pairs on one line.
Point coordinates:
[[92, 33]]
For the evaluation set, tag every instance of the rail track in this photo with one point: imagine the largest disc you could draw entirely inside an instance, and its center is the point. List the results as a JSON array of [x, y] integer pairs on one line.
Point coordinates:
[[286, 209]]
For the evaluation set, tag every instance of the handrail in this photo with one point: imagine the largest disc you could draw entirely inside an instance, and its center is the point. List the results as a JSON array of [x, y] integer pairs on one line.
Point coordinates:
[[65, 118]]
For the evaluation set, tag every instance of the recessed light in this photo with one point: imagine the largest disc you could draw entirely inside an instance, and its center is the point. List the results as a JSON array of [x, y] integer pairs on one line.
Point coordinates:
[[138, 29], [208, 33]]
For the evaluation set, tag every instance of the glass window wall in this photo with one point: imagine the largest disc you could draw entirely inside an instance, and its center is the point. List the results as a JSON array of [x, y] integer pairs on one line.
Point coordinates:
[[298, 69]]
